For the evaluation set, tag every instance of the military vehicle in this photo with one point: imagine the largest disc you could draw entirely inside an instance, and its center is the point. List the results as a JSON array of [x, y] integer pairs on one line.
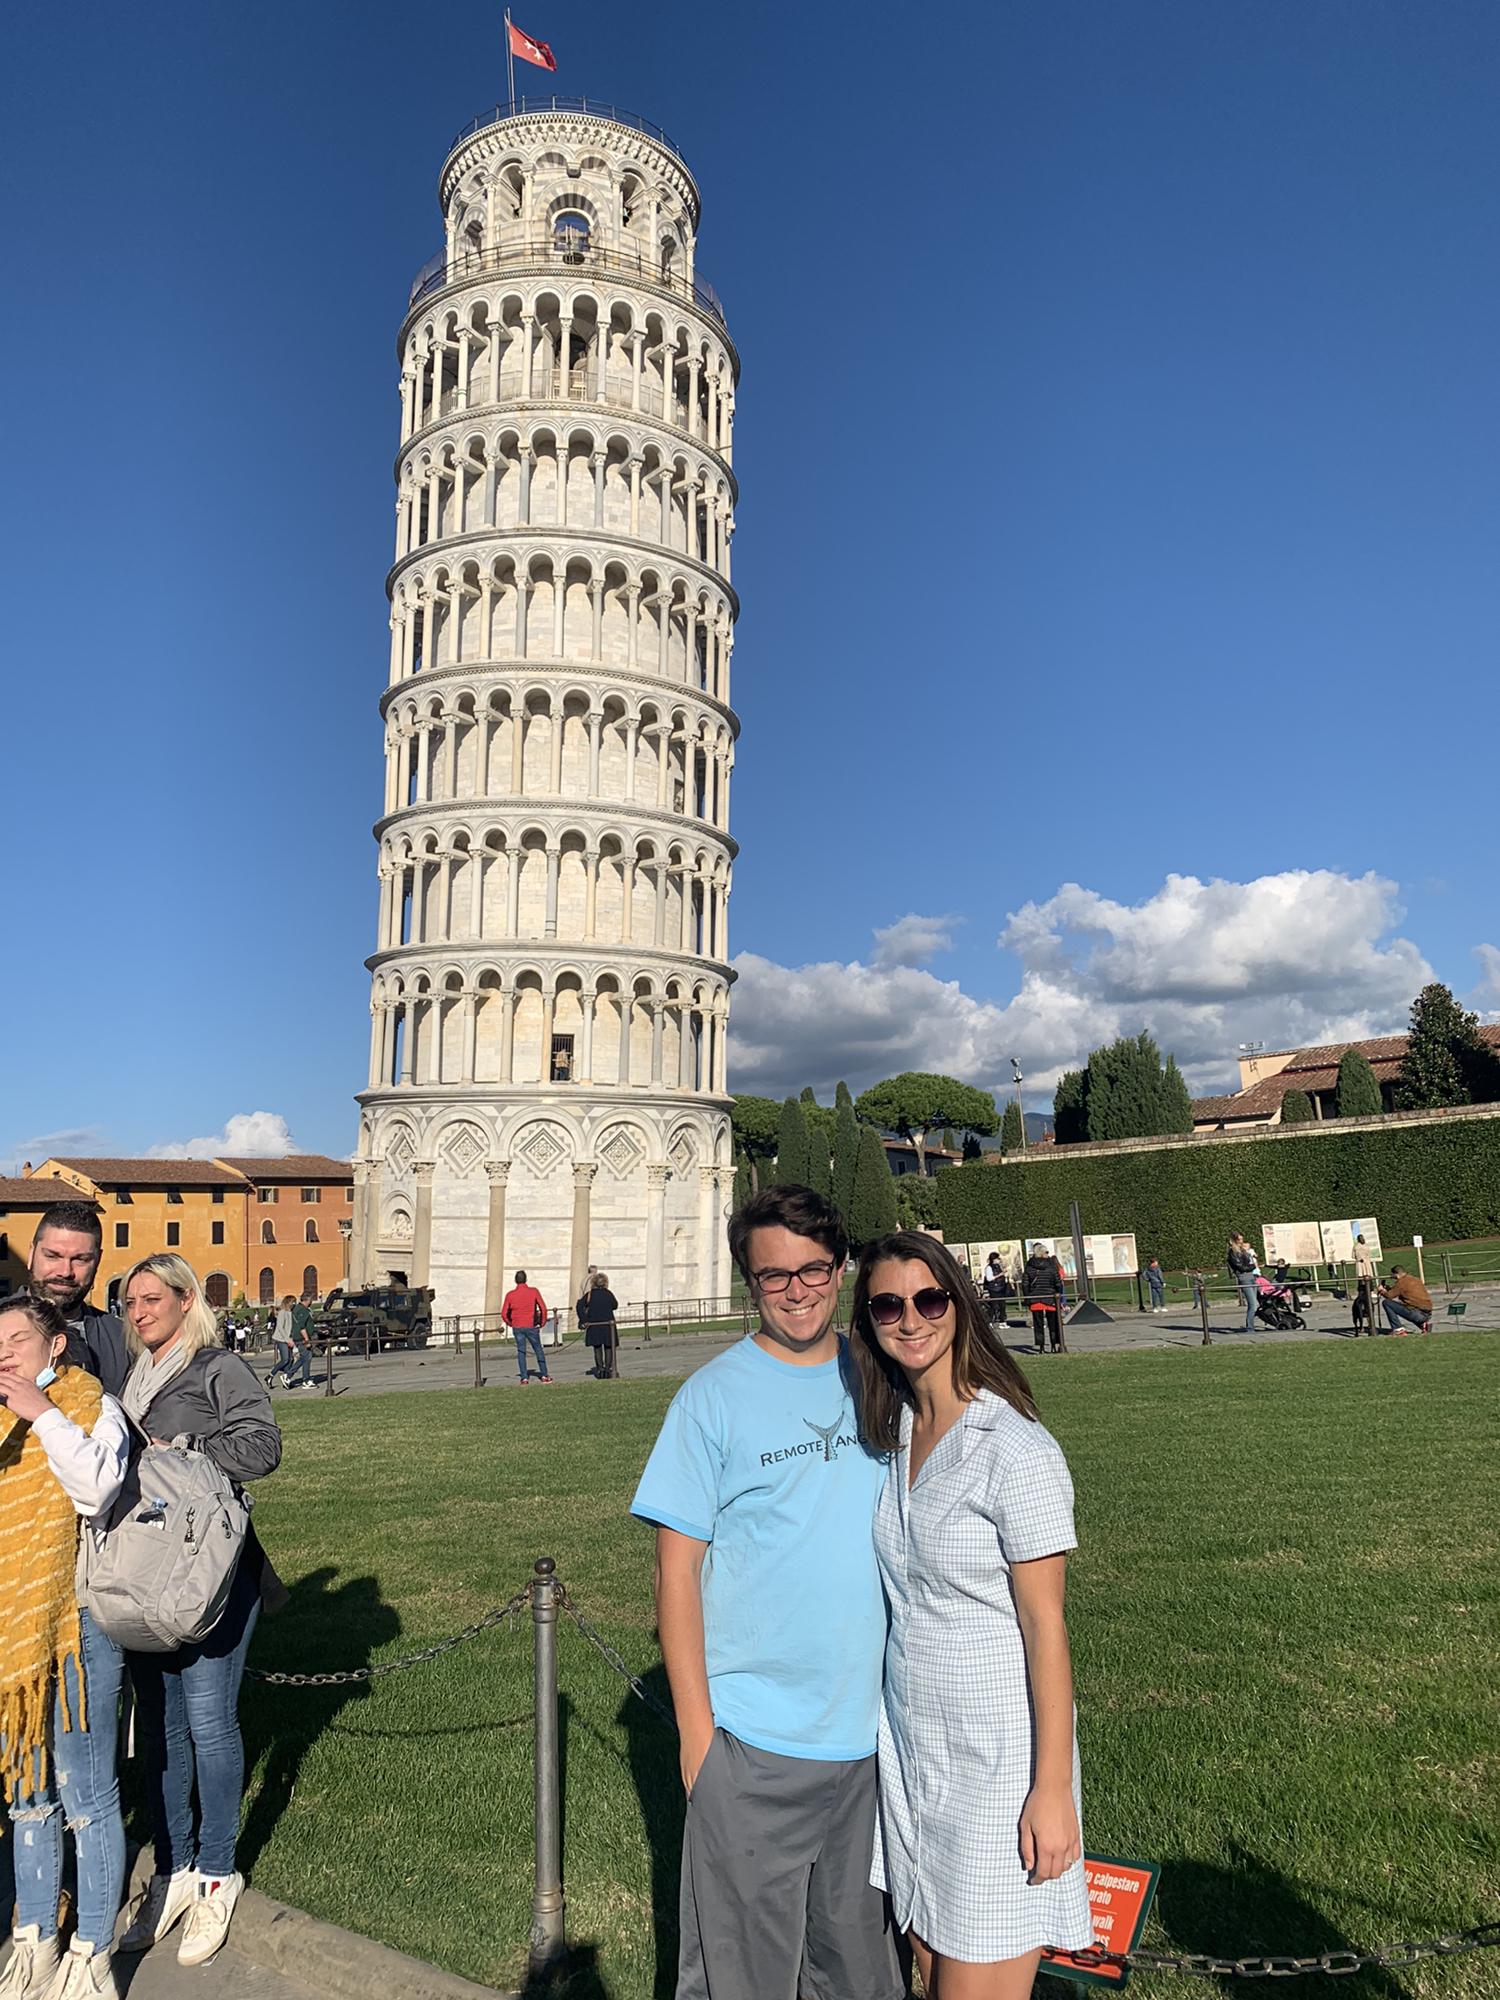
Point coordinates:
[[367, 1321]]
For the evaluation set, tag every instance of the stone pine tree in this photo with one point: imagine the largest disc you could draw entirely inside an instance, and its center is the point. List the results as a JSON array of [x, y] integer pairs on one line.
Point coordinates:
[[1012, 1128], [1070, 1108], [1296, 1108], [1446, 1061], [1358, 1092], [872, 1209], [1176, 1103], [793, 1153], [917, 1102], [845, 1149]]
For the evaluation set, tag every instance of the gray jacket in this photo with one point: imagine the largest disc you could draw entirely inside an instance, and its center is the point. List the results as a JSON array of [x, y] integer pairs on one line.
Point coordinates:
[[96, 1343], [221, 1407]]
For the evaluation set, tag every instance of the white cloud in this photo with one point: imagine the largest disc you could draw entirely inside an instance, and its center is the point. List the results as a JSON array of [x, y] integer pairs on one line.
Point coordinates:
[[255, 1134], [1287, 959], [912, 940], [74, 1141], [1486, 995]]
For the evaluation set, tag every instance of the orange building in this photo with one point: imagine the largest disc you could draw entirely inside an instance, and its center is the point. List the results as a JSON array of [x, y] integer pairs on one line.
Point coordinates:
[[297, 1221]]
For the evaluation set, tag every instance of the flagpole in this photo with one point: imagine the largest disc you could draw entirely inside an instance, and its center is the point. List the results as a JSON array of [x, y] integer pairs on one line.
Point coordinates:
[[510, 60]]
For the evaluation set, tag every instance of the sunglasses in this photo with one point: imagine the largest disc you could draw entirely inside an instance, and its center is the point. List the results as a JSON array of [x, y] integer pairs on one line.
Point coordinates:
[[886, 1308]]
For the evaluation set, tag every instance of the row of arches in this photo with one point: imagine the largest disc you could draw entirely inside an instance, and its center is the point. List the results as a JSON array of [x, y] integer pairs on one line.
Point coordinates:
[[551, 475], [534, 742], [557, 606], [459, 888], [608, 1030], [539, 344]]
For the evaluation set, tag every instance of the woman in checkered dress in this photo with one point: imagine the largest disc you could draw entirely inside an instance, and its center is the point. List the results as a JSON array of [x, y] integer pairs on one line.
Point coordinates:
[[979, 1840]]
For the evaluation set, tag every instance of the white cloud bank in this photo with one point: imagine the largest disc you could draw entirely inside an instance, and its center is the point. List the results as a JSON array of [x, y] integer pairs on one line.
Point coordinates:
[[1486, 995], [261, 1135], [1289, 959]]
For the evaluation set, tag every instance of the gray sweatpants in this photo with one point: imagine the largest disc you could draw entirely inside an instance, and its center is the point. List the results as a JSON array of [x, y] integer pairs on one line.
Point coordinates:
[[776, 1896]]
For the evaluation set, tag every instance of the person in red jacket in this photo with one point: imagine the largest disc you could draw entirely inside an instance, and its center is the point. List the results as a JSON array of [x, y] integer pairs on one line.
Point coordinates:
[[524, 1311]]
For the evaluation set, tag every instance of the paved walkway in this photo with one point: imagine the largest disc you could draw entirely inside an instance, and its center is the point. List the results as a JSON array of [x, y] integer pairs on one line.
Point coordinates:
[[157, 1976], [438, 1367]]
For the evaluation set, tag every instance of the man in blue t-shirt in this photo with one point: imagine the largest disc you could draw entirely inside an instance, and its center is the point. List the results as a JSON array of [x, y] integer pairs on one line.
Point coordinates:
[[772, 1627]]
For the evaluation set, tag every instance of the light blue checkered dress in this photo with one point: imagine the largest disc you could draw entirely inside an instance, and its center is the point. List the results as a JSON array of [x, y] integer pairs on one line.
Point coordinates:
[[955, 1722]]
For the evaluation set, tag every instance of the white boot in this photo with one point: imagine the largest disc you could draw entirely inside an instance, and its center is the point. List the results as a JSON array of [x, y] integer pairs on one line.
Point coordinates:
[[32, 1962], [84, 1974]]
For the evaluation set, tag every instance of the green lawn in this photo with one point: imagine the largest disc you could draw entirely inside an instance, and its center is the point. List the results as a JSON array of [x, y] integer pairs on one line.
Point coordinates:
[[1285, 1619]]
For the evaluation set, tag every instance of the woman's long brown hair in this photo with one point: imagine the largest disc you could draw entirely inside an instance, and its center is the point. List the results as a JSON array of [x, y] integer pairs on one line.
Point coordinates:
[[980, 1360]]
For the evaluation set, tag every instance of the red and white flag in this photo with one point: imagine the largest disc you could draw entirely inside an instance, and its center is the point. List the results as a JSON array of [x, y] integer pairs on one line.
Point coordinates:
[[529, 49]]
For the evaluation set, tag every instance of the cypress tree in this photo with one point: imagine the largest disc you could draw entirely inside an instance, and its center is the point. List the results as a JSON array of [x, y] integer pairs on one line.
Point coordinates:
[[872, 1210], [1446, 1062], [1070, 1107], [793, 1154], [1358, 1092], [743, 1187], [845, 1151], [842, 1098], [1296, 1108], [1012, 1130], [1176, 1104]]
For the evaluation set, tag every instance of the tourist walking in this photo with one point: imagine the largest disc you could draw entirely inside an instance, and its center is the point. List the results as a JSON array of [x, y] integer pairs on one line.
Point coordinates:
[[1156, 1282], [1244, 1270], [1044, 1291], [1407, 1302], [183, 1389], [597, 1310], [524, 1311], [979, 1840], [64, 1262], [299, 1375], [772, 1624], [64, 1447], [281, 1339]]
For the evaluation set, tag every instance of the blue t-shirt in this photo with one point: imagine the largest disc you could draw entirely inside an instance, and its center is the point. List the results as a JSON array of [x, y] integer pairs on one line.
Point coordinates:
[[762, 1460]]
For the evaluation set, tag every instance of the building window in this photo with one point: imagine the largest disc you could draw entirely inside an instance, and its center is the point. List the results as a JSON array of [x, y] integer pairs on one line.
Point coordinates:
[[174, 1235], [122, 1235], [309, 1281], [268, 1232], [265, 1195], [311, 1194], [174, 1197], [570, 236], [310, 1233], [122, 1197], [267, 1286], [562, 1058], [216, 1290], [216, 1232], [217, 1194], [349, 1194]]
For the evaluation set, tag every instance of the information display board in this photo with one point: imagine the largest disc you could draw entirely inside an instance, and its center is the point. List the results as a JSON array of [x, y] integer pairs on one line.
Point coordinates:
[[1338, 1239], [1106, 1256], [1298, 1242]]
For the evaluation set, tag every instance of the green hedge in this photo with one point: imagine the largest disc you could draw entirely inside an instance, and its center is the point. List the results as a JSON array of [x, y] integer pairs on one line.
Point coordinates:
[[1440, 1181]]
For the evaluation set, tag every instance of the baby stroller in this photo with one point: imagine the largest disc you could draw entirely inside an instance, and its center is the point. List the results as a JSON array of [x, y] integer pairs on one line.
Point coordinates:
[[1278, 1307]]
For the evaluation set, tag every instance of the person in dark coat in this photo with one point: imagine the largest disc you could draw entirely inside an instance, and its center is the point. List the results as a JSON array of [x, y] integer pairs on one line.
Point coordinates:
[[598, 1308], [65, 1253], [1043, 1291]]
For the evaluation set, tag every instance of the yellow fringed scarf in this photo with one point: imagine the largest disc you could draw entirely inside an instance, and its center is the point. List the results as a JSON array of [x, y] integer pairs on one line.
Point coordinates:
[[38, 1605]]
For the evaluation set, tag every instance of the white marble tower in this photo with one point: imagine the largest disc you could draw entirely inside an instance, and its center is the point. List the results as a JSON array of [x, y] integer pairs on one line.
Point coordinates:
[[550, 987]]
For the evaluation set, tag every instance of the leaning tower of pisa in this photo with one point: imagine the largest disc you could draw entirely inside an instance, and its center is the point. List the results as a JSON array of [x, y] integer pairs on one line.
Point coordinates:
[[550, 991]]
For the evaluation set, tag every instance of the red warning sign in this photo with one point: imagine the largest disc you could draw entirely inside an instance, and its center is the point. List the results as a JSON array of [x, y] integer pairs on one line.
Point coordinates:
[[1120, 1894]]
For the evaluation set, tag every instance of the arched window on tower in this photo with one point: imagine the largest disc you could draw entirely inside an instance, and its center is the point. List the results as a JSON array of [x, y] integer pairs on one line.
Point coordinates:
[[268, 1232], [668, 259], [570, 236]]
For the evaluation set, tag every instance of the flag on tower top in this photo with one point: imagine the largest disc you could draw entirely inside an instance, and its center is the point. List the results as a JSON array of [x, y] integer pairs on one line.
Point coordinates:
[[529, 49]]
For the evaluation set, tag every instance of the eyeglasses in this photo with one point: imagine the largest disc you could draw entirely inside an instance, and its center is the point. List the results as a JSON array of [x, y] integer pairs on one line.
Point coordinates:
[[886, 1308], [814, 1276]]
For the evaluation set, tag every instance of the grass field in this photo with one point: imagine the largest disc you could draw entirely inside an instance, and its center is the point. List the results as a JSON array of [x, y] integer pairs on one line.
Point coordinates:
[[1285, 1617]]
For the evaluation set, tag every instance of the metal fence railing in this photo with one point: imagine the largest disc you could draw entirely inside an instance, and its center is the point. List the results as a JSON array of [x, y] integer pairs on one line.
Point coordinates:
[[565, 254]]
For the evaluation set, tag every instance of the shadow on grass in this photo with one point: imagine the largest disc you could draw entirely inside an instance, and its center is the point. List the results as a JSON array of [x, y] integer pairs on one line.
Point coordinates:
[[323, 1628], [658, 1785], [1247, 1909]]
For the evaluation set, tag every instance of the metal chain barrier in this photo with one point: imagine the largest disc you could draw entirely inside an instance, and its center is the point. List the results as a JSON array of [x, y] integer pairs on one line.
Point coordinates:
[[548, 1589]]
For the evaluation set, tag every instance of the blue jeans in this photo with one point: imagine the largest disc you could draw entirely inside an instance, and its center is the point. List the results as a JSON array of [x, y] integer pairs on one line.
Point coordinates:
[[1250, 1294], [301, 1364], [1395, 1312], [533, 1334], [188, 1702], [82, 1788], [1157, 1290]]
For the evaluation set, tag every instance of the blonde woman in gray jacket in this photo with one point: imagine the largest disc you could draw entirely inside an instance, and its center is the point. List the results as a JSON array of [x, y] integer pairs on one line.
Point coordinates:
[[185, 1389]]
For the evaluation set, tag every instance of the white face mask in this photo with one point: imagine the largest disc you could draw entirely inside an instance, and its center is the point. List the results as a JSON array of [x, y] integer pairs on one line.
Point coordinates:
[[47, 1377]]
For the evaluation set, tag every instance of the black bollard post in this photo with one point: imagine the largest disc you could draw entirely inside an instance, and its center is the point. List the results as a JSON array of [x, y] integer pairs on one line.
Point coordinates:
[[328, 1369], [547, 1904], [1202, 1290]]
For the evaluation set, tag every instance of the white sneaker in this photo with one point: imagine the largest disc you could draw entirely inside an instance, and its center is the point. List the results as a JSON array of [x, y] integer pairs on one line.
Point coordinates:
[[33, 1961], [208, 1921], [84, 1974], [167, 1898]]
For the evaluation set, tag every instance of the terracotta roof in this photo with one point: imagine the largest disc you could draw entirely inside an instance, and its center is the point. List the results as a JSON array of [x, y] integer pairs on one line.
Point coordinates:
[[1314, 1070], [37, 1191], [1382, 1049], [151, 1173], [290, 1167], [1220, 1107]]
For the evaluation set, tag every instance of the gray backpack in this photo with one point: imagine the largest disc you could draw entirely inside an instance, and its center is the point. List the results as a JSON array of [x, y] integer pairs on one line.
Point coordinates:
[[154, 1572]]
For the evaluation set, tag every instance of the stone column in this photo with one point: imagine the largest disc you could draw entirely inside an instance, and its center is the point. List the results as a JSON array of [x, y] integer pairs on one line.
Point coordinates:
[[586, 1045], [632, 627], [685, 1075], [371, 1256], [507, 1037], [559, 608], [528, 331], [578, 1254], [635, 499], [708, 1190], [658, 1017], [471, 1034], [408, 1040], [513, 890], [555, 749], [590, 893], [596, 635], [627, 897], [637, 348], [494, 1244], [554, 865], [564, 345], [549, 1017], [421, 1242], [523, 499], [598, 461], [476, 892], [656, 1227], [377, 1046], [517, 750], [596, 731]]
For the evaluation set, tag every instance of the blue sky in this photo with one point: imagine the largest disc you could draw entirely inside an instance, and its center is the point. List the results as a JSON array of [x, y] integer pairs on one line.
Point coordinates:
[[1116, 543]]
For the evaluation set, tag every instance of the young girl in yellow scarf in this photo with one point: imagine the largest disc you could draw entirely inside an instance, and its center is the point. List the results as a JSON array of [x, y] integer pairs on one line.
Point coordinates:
[[63, 1451]]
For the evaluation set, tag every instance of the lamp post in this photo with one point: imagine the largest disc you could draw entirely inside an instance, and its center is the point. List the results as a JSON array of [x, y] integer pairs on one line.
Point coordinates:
[[1018, 1080], [346, 1230]]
